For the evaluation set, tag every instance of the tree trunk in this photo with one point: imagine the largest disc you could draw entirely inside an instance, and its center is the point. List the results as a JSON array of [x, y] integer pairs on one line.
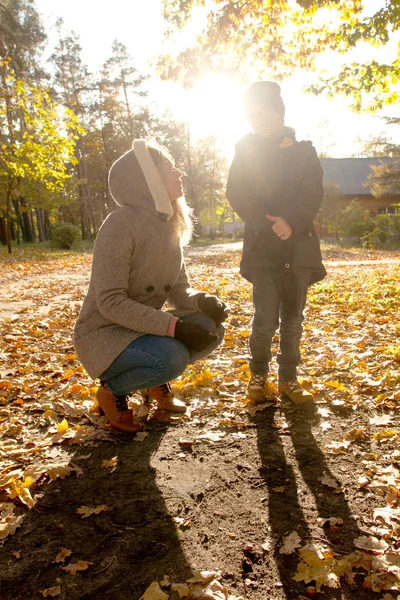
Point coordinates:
[[20, 222], [40, 224], [47, 223], [29, 237], [3, 235], [8, 220], [32, 222]]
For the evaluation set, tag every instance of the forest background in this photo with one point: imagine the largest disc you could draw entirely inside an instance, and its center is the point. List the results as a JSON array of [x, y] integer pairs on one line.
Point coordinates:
[[63, 122]]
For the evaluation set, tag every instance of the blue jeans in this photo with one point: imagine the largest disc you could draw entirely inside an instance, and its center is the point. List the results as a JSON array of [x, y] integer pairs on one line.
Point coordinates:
[[152, 360], [279, 297]]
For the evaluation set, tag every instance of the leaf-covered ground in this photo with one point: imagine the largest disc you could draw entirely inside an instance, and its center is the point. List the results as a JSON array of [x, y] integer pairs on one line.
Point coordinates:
[[226, 501]]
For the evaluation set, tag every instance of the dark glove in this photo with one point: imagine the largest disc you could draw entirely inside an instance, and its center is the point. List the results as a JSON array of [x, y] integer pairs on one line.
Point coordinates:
[[193, 336], [213, 307]]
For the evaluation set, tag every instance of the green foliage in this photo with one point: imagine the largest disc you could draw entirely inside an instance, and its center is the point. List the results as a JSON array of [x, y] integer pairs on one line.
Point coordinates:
[[64, 235], [385, 233], [385, 179], [329, 213], [278, 37], [354, 221]]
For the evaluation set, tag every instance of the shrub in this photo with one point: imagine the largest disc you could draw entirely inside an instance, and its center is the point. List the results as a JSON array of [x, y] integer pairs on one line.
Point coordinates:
[[385, 234], [64, 235], [355, 222]]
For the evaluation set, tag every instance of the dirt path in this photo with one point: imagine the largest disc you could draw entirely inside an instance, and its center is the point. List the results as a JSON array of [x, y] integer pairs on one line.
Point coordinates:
[[223, 487]]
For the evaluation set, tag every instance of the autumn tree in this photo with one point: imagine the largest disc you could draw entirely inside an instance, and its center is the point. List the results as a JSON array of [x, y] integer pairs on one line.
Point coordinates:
[[205, 171], [114, 119], [276, 38], [329, 213], [37, 145], [74, 85], [21, 38], [384, 180]]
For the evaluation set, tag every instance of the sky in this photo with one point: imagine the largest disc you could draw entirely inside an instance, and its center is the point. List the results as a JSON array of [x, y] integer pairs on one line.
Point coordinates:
[[215, 106]]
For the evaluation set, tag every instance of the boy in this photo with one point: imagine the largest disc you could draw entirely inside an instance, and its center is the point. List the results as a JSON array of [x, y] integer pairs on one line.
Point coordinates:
[[275, 186]]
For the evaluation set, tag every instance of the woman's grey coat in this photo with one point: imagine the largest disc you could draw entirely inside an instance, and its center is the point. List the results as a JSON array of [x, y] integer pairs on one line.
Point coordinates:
[[137, 266]]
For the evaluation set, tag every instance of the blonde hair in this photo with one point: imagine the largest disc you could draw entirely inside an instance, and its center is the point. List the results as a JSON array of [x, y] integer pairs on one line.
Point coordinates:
[[181, 220]]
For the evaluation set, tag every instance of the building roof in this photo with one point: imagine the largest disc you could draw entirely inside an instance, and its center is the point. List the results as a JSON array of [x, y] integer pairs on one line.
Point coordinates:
[[350, 174]]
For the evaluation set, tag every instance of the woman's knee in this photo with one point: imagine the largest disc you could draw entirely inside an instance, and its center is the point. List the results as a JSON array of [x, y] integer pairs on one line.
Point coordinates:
[[173, 364]]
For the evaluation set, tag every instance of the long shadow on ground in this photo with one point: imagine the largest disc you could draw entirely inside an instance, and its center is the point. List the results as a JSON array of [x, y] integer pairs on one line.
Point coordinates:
[[131, 544], [292, 468]]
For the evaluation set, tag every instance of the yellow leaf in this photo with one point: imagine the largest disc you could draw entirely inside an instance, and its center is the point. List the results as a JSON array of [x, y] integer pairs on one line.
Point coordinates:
[[62, 555], [82, 565], [53, 591], [76, 387], [9, 522], [28, 481], [63, 426], [111, 464], [154, 592], [60, 471], [16, 489], [181, 588], [382, 435], [86, 511]]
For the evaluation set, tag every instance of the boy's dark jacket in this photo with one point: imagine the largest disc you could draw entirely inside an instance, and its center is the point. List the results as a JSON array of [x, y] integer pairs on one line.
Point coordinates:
[[283, 178]]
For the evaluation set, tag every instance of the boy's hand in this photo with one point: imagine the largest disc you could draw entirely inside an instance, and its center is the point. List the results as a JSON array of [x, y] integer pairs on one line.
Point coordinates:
[[281, 227]]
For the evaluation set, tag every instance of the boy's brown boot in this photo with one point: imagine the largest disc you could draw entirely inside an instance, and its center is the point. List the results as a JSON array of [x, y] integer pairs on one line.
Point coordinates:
[[163, 395], [295, 393], [257, 389], [115, 408]]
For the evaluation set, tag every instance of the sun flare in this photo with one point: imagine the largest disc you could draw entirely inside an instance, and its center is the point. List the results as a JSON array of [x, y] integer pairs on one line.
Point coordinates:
[[214, 108]]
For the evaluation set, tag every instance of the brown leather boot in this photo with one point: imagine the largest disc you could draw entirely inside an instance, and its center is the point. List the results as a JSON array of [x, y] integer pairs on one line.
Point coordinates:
[[115, 408], [163, 395]]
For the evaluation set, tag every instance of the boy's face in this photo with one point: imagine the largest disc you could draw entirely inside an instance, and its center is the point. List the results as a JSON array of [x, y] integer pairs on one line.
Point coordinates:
[[264, 120]]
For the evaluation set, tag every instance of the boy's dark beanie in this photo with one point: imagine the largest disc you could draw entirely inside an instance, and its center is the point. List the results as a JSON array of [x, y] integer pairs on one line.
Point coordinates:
[[265, 93]]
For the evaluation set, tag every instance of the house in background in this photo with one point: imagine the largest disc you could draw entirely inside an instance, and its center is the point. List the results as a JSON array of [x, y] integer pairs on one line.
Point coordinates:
[[351, 175]]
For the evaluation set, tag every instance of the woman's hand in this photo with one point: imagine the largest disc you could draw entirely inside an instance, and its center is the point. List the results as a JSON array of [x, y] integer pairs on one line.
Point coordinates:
[[193, 336], [280, 227], [213, 307]]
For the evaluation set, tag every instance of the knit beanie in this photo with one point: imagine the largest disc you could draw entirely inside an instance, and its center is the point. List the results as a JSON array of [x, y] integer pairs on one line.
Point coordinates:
[[267, 93]]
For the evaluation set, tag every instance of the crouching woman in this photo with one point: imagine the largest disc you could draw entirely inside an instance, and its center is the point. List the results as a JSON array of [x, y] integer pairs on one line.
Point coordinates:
[[124, 335]]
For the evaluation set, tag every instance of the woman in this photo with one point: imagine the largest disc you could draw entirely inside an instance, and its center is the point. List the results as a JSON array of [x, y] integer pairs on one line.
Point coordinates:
[[124, 335]]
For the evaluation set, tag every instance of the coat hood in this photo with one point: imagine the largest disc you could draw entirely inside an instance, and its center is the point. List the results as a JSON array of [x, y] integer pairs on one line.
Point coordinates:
[[134, 180]]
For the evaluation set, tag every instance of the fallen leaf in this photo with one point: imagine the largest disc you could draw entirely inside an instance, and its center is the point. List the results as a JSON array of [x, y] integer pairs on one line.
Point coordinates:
[[362, 481], [329, 481], [142, 435], [371, 544], [186, 443], [72, 568], [87, 511], [154, 592], [62, 555], [338, 447], [332, 521], [110, 465], [9, 522], [381, 420], [290, 543], [181, 588], [63, 426], [53, 591], [62, 470], [319, 566]]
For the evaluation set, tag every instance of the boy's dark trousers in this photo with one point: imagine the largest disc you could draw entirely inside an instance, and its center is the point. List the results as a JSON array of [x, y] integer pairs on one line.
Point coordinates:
[[279, 297]]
